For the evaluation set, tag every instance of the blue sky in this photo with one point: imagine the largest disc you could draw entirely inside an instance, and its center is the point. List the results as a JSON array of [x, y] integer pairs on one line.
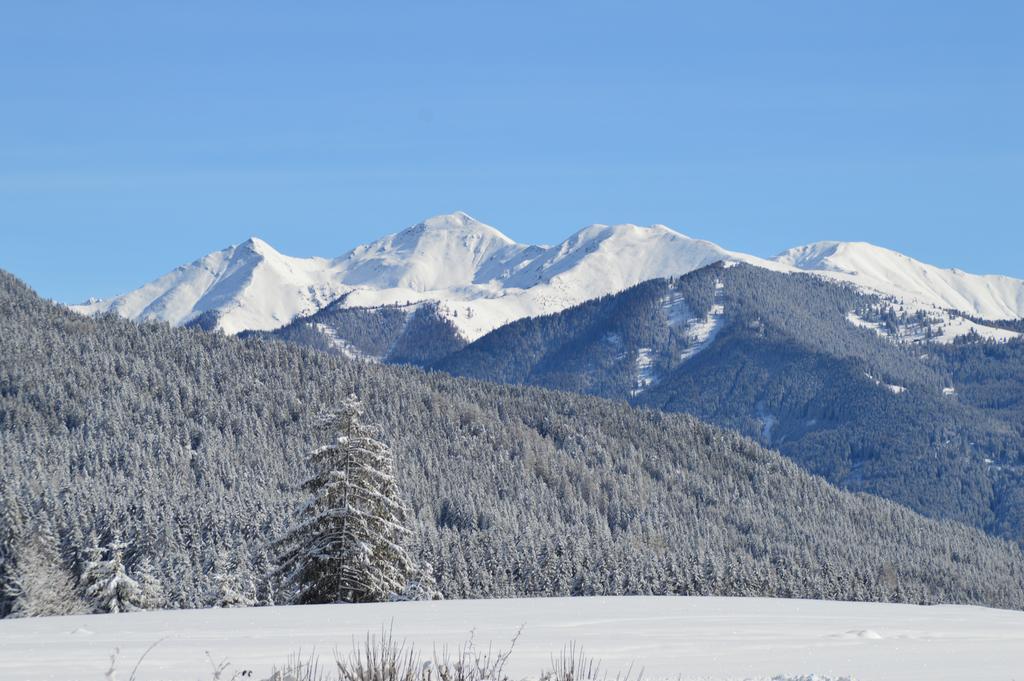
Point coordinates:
[[135, 138]]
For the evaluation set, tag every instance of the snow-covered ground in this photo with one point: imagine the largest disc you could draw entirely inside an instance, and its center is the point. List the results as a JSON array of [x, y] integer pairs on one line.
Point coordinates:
[[646, 375], [340, 344], [668, 637], [702, 332], [894, 389], [945, 326]]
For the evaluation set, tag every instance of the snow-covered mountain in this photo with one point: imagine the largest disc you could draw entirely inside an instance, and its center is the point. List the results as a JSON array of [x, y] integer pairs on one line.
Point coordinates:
[[482, 279], [249, 286], [880, 269]]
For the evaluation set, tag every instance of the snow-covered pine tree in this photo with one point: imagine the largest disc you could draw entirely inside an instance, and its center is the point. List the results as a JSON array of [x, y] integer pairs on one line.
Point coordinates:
[[421, 585], [92, 568], [347, 545], [12, 520], [106, 582], [264, 579], [40, 584], [151, 589], [230, 588]]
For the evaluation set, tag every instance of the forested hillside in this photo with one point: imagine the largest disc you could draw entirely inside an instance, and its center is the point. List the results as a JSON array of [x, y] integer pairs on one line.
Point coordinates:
[[804, 365], [187, 446], [399, 334]]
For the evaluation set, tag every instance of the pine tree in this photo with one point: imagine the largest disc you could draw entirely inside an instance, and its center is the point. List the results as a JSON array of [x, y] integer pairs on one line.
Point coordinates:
[[12, 520], [421, 585], [265, 580], [92, 569], [107, 583], [151, 589], [348, 543], [40, 584], [230, 589]]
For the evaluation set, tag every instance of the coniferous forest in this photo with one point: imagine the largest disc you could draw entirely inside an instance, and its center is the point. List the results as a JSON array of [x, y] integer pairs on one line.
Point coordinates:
[[146, 466], [936, 427]]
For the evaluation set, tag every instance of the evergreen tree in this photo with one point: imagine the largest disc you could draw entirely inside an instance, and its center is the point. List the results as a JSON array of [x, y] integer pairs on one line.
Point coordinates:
[[108, 584], [265, 580], [421, 585], [40, 584], [348, 542], [11, 522], [92, 570], [230, 589], [151, 589]]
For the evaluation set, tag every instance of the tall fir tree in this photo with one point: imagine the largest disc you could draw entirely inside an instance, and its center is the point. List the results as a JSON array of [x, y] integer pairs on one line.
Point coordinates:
[[348, 543]]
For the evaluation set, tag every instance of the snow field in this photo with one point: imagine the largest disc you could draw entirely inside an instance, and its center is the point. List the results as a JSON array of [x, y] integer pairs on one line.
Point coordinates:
[[665, 637]]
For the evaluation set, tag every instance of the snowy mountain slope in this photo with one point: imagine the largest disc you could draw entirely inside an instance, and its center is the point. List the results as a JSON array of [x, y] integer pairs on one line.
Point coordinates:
[[936, 325], [444, 252], [885, 271], [785, 358], [249, 286], [419, 333], [657, 637], [482, 279]]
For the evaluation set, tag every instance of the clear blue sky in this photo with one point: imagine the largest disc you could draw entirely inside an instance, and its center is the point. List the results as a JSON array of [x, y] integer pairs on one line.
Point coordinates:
[[138, 136]]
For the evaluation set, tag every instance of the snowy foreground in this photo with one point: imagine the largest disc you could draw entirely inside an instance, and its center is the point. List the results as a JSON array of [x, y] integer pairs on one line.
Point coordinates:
[[668, 637]]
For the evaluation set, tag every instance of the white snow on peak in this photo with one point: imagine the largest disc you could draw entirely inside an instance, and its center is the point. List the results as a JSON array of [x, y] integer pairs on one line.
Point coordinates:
[[483, 279], [250, 285], [892, 273], [258, 246], [443, 252]]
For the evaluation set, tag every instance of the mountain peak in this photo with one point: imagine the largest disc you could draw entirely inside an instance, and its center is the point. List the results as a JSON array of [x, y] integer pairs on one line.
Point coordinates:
[[489, 279], [843, 256], [257, 245], [602, 231], [892, 273], [459, 223]]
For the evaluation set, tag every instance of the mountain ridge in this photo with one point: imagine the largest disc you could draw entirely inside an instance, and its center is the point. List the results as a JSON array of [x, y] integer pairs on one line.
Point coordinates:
[[483, 279], [988, 296]]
